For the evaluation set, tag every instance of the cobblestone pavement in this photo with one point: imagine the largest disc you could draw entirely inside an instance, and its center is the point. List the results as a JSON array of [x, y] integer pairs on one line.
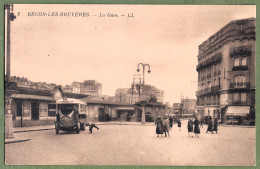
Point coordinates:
[[135, 145]]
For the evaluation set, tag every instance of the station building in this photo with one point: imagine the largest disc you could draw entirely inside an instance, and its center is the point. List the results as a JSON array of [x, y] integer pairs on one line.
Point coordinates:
[[226, 72]]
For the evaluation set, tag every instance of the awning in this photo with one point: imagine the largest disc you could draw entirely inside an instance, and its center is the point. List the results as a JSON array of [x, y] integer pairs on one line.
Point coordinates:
[[238, 110], [31, 97]]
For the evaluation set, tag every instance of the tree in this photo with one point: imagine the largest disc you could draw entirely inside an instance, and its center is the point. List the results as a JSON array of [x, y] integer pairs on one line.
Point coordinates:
[[153, 99]]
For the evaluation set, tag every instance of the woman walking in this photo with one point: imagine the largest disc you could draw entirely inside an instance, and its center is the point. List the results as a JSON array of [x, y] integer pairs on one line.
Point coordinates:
[[196, 127], [215, 128], [179, 124], [210, 125], [171, 121], [190, 128], [159, 126]]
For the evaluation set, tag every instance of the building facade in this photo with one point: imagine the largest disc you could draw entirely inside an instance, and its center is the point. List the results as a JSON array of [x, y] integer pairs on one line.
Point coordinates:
[[34, 103], [188, 107], [88, 87], [137, 93], [226, 72]]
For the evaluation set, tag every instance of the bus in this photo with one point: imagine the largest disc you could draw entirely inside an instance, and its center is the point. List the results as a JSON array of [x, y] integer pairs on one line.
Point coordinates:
[[70, 115]]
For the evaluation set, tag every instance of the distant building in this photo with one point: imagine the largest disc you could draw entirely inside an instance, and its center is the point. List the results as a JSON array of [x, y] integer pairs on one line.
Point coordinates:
[[188, 107], [138, 92], [88, 87], [76, 87], [177, 109], [92, 87], [67, 89], [226, 72]]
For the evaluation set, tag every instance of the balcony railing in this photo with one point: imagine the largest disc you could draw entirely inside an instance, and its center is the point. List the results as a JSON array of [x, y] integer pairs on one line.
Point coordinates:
[[240, 68], [215, 88], [243, 50], [235, 102], [208, 90], [242, 85]]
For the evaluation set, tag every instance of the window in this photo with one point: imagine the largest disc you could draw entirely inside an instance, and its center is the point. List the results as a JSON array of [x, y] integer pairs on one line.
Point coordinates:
[[236, 79], [236, 62], [244, 61], [240, 80], [215, 82], [236, 97], [243, 97], [51, 109], [209, 84]]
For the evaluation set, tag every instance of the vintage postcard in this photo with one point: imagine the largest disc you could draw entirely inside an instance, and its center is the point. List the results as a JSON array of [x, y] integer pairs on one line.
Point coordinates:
[[139, 85]]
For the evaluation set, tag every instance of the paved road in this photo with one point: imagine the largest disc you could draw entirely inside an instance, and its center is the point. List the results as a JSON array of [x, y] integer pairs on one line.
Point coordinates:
[[135, 145]]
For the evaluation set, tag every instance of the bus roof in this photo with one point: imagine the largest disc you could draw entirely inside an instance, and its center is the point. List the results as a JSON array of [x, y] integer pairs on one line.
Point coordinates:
[[70, 101]]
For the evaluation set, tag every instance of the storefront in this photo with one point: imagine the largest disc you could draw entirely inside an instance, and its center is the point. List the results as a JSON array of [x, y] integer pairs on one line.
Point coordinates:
[[31, 110], [237, 114]]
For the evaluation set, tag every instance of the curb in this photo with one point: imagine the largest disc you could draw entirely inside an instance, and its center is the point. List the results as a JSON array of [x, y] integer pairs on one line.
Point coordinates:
[[17, 141], [33, 130], [237, 126], [124, 124]]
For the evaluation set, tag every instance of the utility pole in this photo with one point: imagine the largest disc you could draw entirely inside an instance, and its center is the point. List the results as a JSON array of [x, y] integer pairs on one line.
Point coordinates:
[[9, 89]]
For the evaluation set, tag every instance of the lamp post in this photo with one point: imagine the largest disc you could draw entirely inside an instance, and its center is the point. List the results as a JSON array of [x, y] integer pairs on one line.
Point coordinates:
[[9, 87], [144, 65], [143, 104]]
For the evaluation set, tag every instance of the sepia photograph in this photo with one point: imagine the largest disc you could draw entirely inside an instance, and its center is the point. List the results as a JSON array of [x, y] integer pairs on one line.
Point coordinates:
[[130, 85]]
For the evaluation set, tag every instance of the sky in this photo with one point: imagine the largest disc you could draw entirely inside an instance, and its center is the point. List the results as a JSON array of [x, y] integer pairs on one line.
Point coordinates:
[[62, 49]]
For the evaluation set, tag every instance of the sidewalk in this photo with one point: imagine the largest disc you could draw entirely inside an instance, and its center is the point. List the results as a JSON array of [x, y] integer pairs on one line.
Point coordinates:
[[16, 139]]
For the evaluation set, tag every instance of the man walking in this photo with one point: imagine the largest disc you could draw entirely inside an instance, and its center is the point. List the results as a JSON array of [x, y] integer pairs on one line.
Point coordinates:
[[91, 126]]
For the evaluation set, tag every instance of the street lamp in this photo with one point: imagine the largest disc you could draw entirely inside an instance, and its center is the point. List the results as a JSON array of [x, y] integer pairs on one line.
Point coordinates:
[[144, 65], [143, 104]]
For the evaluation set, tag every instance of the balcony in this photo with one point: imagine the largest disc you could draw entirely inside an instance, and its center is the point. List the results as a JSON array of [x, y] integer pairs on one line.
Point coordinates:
[[238, 102], [215, 88], [207, 90], [243, 50], [241, 85], [235, 68]]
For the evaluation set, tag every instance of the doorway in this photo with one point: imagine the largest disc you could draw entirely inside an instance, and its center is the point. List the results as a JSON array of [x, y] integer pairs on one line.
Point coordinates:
[[35, 111]]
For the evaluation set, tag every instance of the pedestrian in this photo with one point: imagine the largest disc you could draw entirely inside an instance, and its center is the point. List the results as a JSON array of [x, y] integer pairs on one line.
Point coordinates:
[[159, 126], [91, 126], [196, 127], [171, 121], [179, 124], [166, 126], [190, 127], [75, 114], [215, 128], [201, 122], [210, 125]]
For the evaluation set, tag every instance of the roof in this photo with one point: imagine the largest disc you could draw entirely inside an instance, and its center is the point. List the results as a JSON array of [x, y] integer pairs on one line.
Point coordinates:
[[70, 100], [31, 97], [87, 100]]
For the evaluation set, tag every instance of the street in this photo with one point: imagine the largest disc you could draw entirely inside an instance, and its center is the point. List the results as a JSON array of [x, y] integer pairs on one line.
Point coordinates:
[[135, 145]]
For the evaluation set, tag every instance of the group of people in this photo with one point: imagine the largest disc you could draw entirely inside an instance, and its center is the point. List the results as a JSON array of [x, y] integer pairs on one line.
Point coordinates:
[[211, 127], [163, 126]]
